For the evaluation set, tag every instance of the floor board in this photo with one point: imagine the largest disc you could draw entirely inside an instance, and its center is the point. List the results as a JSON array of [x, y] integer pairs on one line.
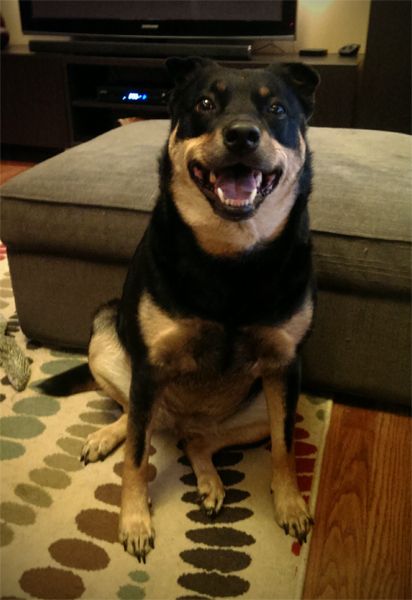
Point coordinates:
[[11, 168], [361, 545]]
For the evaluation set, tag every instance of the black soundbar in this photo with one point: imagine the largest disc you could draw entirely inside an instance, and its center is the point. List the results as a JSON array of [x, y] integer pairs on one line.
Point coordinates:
[[142, 49]]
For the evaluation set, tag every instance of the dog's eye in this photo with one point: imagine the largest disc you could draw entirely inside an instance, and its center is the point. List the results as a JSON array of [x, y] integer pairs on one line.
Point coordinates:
[[205, 105], [277, 109]]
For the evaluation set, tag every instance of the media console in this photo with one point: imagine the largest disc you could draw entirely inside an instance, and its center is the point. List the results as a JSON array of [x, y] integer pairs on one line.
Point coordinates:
[[54, 101]]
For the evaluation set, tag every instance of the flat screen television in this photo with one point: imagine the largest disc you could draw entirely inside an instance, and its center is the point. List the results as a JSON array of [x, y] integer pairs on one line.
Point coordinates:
[[161, 19]]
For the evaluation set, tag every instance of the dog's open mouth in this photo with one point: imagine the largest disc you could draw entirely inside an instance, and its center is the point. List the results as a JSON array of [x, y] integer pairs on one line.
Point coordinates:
[[235, 192]]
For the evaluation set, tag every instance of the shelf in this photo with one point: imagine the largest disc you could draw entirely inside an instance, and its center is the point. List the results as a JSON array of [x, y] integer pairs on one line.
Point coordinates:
[[88, 103]]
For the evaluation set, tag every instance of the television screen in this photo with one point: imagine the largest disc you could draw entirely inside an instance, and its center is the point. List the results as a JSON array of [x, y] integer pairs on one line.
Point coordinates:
[[161, 18]]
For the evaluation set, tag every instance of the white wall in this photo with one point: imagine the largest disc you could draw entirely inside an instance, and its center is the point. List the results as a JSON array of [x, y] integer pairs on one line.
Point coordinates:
[[332, 23], [321, 23], [10, 11]]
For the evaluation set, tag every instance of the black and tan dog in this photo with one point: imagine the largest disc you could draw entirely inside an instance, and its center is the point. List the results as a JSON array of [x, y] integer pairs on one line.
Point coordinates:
[[219, 294]]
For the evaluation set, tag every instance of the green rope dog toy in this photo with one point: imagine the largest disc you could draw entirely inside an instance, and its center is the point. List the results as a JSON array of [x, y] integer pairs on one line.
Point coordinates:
[[12, 359]]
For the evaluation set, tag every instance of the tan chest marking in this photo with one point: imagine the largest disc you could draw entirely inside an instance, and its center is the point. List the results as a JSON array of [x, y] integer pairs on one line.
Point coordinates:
[[277, 345], [219, 236], [172, 342], [168, 340]]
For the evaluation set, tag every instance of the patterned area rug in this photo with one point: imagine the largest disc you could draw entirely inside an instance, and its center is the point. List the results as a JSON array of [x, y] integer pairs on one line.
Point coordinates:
[[59, 518]]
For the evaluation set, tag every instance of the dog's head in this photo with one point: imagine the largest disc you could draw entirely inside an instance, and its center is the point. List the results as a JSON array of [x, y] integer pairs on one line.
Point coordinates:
[[237, 139]]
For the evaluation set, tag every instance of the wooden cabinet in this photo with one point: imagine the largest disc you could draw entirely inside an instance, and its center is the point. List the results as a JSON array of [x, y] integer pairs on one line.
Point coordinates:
[[33, 101], [51, 100], [385, 93]]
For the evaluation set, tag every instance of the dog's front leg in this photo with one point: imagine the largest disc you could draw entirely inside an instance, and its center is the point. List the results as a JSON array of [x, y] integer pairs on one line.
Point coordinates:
[[281, 391], [135, 525]]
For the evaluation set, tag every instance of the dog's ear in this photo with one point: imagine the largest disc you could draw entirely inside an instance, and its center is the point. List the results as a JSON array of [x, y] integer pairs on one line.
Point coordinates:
[[303, 80], [181, 69]]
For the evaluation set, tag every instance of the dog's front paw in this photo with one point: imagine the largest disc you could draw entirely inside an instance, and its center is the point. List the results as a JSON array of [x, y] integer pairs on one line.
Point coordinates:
[[97, 446], [137, 534], [211, 494], [292, 514]]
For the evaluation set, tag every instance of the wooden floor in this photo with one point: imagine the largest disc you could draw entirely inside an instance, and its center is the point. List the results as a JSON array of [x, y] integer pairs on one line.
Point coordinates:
[[11, 168], [361, 544]]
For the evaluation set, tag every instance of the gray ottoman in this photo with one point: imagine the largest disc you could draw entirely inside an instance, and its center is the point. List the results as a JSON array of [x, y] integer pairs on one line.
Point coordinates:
[[72, 223]]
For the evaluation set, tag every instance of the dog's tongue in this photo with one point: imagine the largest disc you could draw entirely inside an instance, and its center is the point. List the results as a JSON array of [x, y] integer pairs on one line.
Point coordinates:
[[236, 186]]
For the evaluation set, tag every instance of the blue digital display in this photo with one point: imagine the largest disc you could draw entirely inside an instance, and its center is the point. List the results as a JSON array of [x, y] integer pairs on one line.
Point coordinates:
[[135, 96]]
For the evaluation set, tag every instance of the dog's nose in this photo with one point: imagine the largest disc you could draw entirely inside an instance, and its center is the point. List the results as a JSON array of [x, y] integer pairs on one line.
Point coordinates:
[[241, 136]]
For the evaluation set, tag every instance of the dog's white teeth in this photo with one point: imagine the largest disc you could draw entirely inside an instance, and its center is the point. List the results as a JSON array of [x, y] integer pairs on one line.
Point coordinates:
[[258, 177], [252, 195], [221, 195], [233, 202], [212, 177]]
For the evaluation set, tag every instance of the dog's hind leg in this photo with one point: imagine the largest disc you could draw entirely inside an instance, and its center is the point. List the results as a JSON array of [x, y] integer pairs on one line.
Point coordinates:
[[247, 426], [110, 367]]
